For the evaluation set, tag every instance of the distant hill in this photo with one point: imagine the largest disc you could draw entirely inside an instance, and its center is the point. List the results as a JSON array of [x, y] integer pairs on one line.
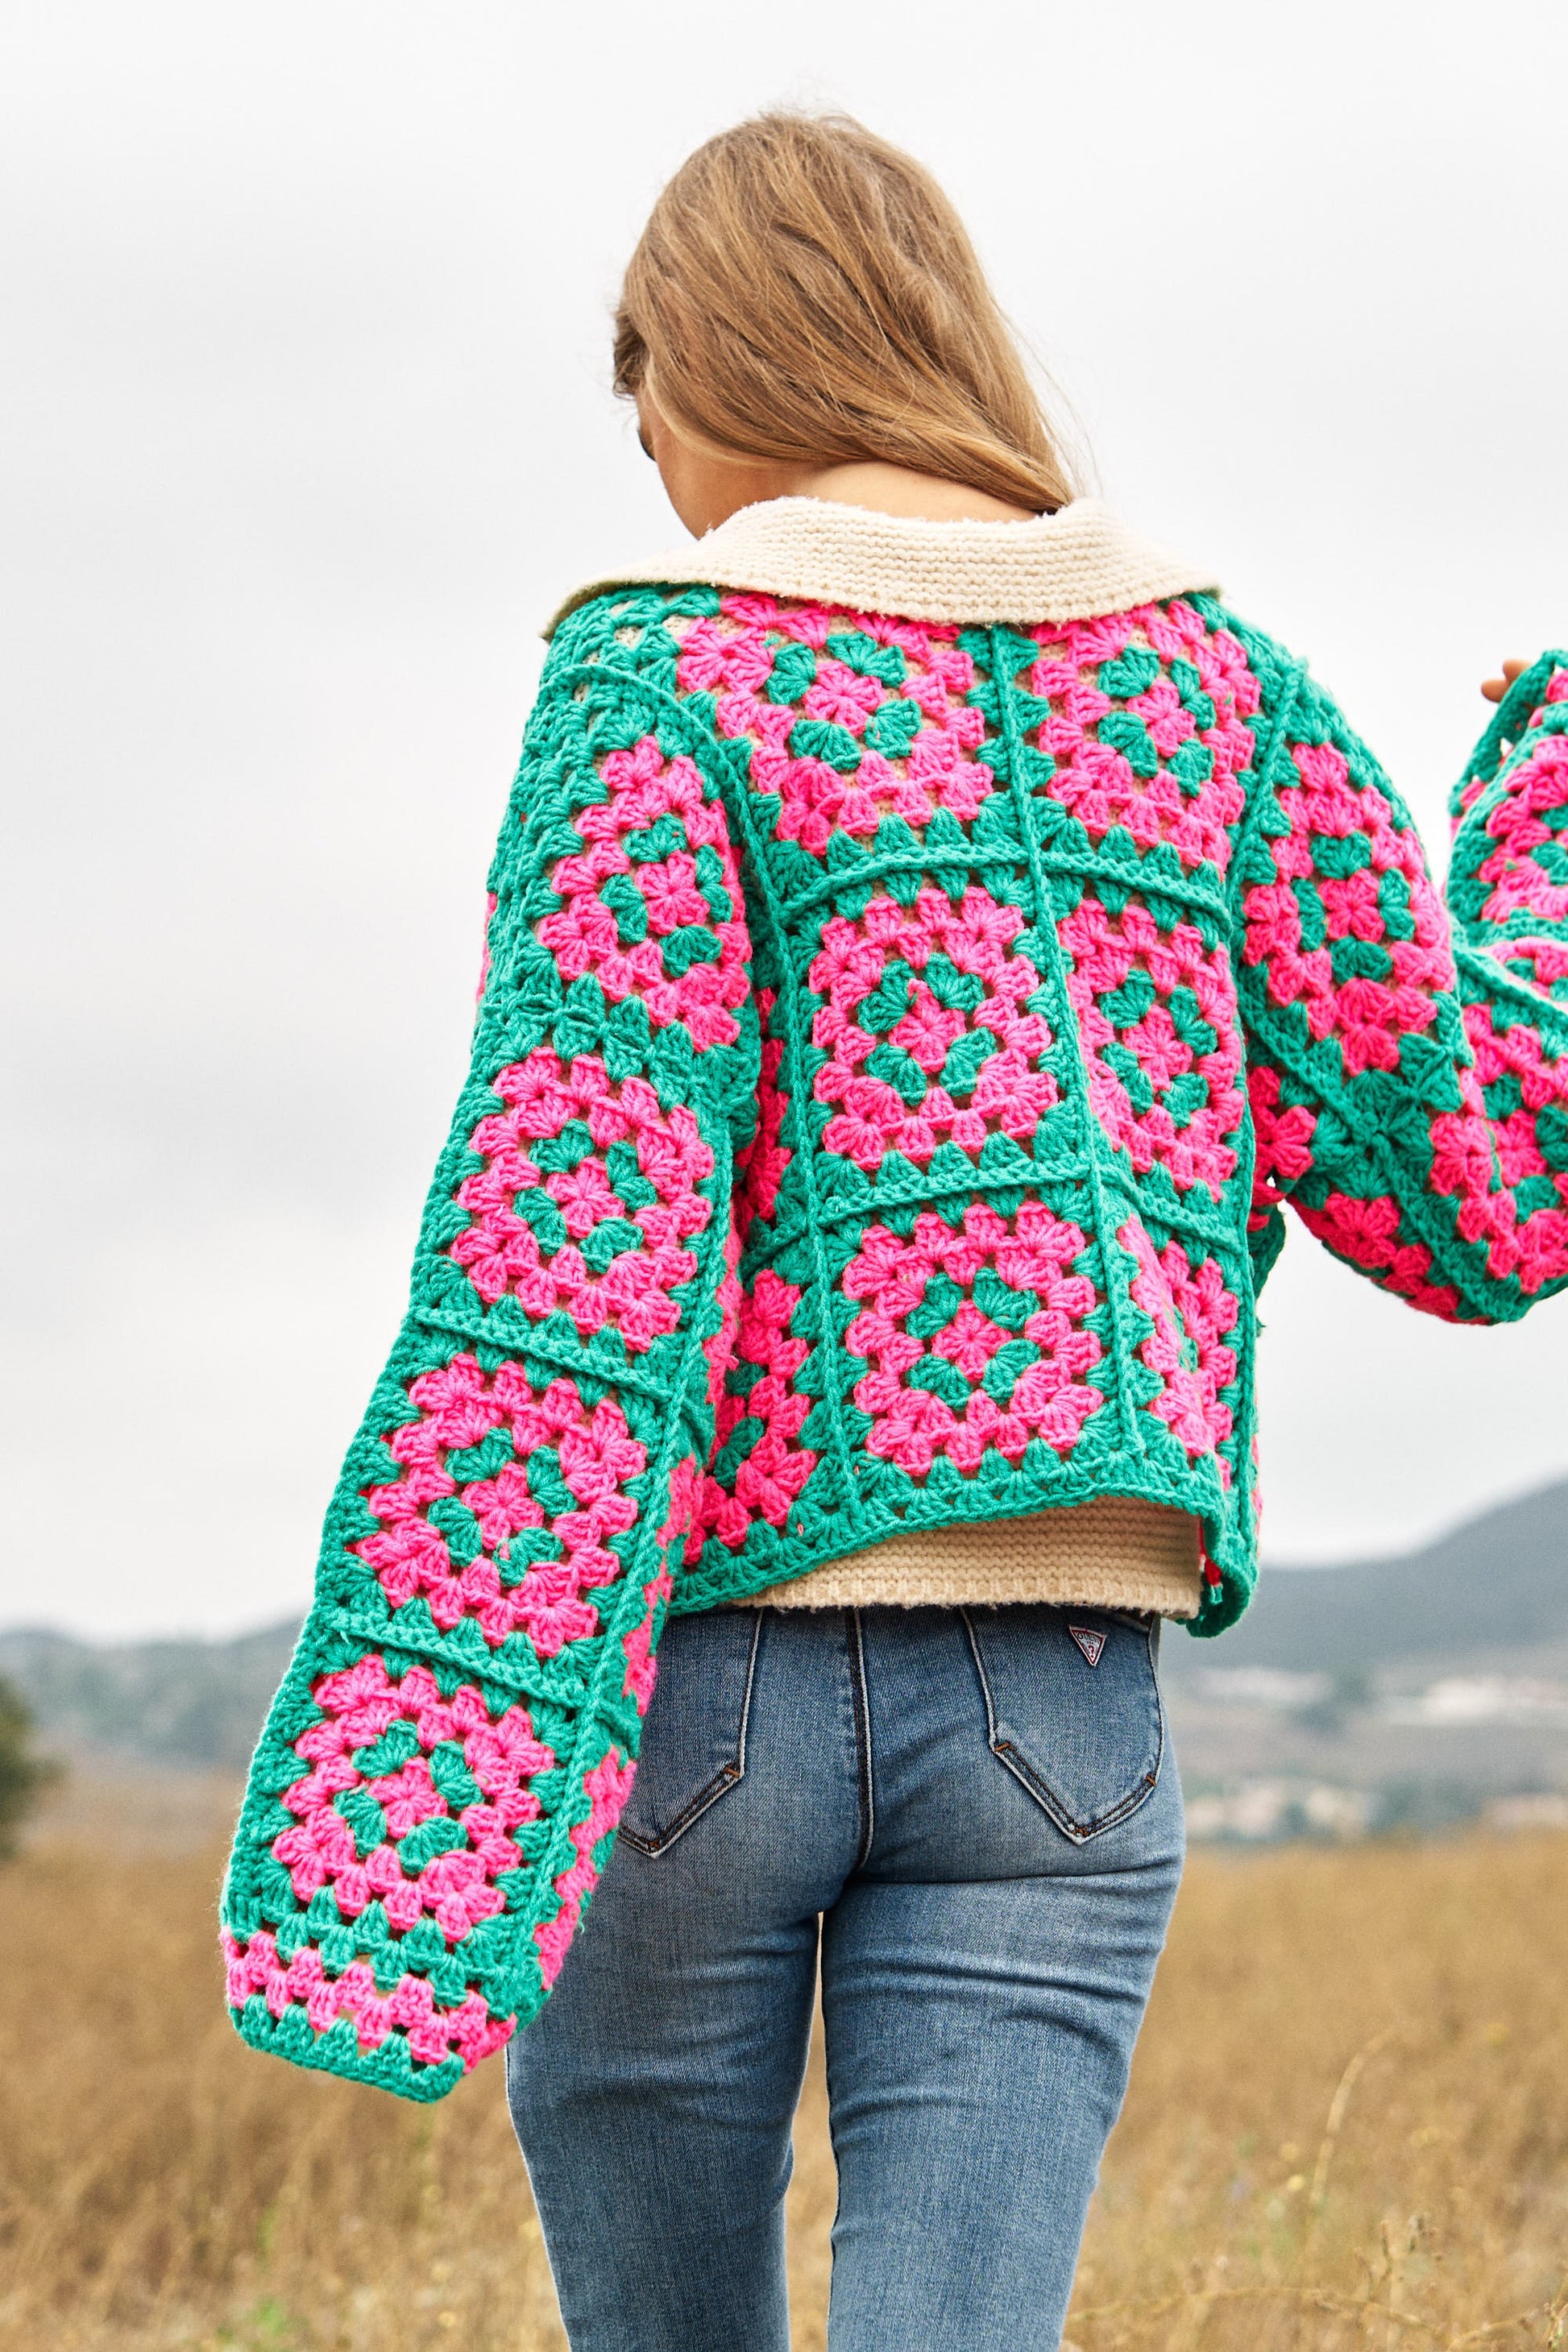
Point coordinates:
[[1490, 1597], [189, 1704]]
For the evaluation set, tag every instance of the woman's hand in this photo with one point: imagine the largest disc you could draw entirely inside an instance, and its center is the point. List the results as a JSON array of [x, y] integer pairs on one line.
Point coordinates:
[[1494, 689]]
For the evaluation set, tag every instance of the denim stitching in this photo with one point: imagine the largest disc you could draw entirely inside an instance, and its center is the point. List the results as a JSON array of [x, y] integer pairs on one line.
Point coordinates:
[[729, 1776], [860, 1700], [1007, 1755]]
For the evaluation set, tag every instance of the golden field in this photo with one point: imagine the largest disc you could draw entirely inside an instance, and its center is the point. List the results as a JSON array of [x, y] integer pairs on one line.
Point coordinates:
[[1348, 2124]]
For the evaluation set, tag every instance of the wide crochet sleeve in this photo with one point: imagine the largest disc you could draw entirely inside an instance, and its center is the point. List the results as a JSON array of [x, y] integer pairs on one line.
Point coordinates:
[[1409, 1059], [440, 1776]]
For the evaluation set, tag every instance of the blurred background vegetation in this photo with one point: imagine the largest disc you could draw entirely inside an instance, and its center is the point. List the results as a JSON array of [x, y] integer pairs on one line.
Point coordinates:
[[23, 1773], [1345, 2131]]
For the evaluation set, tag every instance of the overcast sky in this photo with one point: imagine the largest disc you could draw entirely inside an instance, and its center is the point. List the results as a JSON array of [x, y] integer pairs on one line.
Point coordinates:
[[306, 426]]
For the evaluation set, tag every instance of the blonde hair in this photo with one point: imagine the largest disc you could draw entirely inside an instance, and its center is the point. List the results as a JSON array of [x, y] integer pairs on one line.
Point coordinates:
[[806, 292]]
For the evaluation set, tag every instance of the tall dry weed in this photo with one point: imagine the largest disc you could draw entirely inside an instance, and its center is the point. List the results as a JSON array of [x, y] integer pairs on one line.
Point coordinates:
[[1348, 2129], [1348, 2126]]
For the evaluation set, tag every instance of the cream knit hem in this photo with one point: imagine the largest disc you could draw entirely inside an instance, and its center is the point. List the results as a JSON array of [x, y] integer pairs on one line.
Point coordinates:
[[1116, 1552], [1068, 566]]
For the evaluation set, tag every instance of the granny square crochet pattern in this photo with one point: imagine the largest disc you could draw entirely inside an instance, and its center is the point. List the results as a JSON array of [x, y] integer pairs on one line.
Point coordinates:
[[897, 1042]]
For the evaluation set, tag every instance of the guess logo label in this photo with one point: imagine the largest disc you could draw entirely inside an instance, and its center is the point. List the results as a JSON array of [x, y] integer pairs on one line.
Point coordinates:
[[1090, 1640]]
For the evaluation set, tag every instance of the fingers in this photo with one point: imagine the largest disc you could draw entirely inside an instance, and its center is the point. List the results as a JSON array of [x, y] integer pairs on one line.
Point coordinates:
[[1494, 689]]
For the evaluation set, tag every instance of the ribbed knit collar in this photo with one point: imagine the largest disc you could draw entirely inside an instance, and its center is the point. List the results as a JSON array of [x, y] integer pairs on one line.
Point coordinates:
[[1068, 566]]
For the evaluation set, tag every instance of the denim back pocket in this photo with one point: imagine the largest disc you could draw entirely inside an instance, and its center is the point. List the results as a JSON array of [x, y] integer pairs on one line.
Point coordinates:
[[694, 1739], [1072, 1708]]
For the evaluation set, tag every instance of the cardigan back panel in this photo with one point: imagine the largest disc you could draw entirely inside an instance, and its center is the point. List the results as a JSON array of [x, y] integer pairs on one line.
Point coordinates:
[[897, 1044]]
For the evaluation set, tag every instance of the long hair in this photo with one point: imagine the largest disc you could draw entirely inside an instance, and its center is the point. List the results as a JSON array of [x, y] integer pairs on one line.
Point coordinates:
[[806, 292]]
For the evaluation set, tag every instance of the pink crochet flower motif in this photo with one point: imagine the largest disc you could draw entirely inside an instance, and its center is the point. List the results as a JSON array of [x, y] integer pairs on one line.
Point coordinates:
[[1157, 1017], [458, 1409], [759, 1167], [1193, 1316], [719, 1349], [685, 1490], [501, 1251], [926, 1028], [1477, 786], [1284, 1138], [1369, 1233], [710, 980], [1147, 727], [755, 1332], [1019, 1268], [459, 1831], [1535, 1247], [608, 1786], [1543, 964], [1369, 1012], [905, 736], [434, 2033], [774, 1473], [1531, 819]]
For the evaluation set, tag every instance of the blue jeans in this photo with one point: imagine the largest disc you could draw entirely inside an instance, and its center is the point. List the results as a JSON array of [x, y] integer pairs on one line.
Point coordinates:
[[988, 1827]]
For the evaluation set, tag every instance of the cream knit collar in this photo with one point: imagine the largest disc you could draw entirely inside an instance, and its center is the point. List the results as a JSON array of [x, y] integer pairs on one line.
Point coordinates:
[[1068, 566]]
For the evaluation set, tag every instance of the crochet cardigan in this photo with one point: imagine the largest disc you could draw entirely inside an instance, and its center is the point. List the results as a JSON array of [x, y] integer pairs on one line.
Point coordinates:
[[922, 959]]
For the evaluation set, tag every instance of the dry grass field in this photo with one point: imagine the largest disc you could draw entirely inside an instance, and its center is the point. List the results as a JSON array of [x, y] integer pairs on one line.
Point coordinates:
[[1348, 2126]]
